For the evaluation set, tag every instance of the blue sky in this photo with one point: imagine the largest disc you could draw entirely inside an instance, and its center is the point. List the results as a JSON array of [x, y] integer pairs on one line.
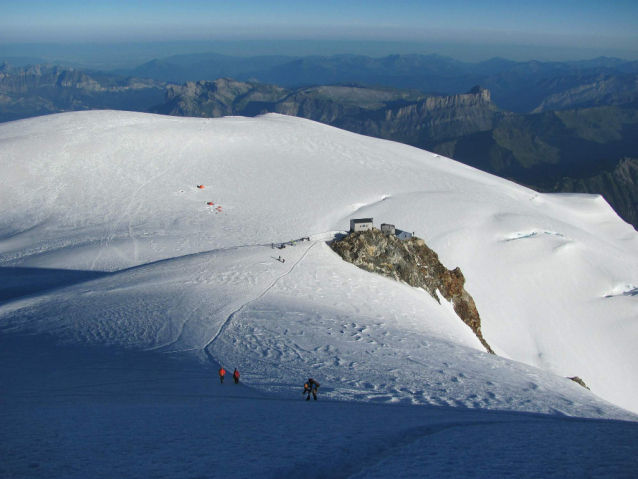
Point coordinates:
[[584, 24]]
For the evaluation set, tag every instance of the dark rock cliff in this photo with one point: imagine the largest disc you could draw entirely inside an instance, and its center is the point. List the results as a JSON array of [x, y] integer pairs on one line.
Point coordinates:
[[440, 118], [414, 263]]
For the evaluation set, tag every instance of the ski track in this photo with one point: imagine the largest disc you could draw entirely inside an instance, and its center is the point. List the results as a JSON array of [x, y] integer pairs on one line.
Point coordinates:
[[158, 348], [232, 315]]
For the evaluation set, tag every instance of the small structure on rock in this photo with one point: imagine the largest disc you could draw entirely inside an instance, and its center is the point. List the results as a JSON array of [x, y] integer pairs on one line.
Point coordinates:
[[363, 224], [387, 229], [403, 235]]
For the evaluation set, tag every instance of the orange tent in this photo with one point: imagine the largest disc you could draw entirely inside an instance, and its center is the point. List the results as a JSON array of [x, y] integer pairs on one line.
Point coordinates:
[[201, 187]]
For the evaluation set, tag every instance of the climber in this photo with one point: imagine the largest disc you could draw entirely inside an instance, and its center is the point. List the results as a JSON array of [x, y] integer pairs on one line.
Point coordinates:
[[306, 390], [313, 386]]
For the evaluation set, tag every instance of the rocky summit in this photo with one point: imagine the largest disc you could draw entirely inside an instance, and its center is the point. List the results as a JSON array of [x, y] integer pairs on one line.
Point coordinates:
[[413, 262]]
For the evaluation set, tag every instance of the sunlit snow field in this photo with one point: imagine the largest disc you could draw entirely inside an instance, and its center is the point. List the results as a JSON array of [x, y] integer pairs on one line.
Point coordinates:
[[122, 292]]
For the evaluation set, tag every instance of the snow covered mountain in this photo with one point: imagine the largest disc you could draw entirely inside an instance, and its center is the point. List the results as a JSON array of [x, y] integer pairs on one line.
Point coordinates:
[[124, 288]]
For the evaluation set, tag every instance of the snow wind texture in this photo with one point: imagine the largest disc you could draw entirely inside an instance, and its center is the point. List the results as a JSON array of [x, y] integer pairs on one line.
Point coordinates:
[[122, 282]]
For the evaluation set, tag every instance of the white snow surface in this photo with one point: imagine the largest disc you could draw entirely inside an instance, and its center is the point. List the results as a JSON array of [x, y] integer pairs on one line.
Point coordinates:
[[122, 292]]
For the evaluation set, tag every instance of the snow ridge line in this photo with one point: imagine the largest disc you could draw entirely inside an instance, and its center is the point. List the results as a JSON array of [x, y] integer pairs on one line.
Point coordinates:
[[226, 323]]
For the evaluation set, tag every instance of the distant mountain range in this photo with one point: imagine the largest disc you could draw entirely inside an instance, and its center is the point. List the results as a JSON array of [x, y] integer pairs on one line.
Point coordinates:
[[515, 86]]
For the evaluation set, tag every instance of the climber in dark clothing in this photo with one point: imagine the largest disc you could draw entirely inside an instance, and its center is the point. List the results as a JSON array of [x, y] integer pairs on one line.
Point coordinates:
[[306, 390], [312, 388], [236, 376]]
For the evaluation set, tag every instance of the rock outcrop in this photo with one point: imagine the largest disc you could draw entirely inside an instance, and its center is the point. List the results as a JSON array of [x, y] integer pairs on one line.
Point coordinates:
[[576, 379], [439, 118], [414, 263]]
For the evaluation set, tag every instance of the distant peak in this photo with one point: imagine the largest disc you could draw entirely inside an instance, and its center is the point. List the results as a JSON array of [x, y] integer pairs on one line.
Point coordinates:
[[476, 90]]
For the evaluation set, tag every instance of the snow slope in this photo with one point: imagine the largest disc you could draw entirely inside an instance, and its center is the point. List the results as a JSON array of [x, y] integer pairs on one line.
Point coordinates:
[[123, 291]]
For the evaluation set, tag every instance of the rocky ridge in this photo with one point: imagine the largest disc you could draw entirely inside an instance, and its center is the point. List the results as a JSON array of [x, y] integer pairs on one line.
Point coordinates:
[[23, 80], [408, 116], [437, 118], [45, 89], [214, 99], [413, 262], [327, 104], [621, 90]]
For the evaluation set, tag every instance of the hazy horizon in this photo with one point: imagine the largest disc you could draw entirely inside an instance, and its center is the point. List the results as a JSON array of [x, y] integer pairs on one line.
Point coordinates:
[[138, 31], [133, 54]]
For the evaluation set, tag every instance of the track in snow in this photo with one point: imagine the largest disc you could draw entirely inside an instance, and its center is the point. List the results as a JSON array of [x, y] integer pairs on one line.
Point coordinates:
[[232, 315]]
